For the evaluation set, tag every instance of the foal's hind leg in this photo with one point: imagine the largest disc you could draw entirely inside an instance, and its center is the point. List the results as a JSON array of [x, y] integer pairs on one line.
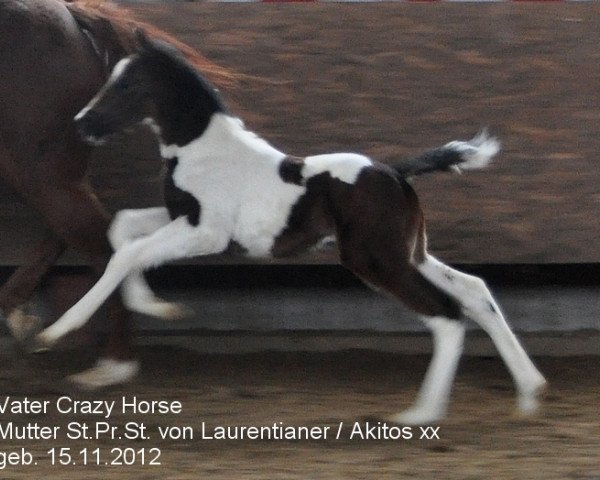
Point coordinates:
[[434, 395], [137, 295], [17, 290], [440, 313], [479, 305]]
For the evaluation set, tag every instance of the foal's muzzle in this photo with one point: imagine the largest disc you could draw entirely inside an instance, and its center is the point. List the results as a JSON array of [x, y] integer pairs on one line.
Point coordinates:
[[91, 126]]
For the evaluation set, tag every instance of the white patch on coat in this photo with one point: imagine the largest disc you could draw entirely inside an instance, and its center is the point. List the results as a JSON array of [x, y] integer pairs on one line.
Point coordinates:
[[92, 41], [234, 175], [149, 122], [118, 70], [116, 73], [343, 166], [325, 243], [23, 325]]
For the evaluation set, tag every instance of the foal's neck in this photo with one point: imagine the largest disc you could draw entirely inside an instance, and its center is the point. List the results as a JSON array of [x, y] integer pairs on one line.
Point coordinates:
[[185, 105], [224, 137], [192, 122]]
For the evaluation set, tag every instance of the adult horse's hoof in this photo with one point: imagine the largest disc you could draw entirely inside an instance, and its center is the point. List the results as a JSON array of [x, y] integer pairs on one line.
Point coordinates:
[[23, 326], [106, 373]]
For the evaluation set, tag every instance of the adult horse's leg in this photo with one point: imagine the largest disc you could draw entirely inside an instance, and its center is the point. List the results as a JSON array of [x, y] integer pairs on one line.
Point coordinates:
[[18, 289], [45, 82], [56, 186], [78, 217]]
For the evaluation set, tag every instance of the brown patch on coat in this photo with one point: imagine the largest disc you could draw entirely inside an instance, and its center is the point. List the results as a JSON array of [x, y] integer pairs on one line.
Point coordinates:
[[380, 232], [290, 170]]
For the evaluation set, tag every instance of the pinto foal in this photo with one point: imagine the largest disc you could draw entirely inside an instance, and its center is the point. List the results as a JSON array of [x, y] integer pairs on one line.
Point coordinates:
[[225, 185]]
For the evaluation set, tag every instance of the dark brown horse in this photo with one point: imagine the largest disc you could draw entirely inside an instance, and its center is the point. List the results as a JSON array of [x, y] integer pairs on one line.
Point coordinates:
[[55, 56]]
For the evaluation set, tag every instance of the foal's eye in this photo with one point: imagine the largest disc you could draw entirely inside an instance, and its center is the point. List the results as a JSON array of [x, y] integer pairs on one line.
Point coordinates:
[[123, 85]]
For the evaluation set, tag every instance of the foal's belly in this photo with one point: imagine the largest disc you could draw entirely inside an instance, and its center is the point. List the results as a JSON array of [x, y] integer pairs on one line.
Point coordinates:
[[264, 217]]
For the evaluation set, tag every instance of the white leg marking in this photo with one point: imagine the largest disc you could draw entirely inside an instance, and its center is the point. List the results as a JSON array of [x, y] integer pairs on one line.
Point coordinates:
[[131, 224], [118, 69], [137, 295], [479, 306], [434, 395], [176, 240], [106, 372]]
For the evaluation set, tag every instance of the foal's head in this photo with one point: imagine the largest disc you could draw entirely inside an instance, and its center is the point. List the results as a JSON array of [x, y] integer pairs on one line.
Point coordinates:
[[157, 85]]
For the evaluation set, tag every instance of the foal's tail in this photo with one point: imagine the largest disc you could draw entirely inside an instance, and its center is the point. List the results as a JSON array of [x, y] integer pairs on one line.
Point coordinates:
[[454, 156]]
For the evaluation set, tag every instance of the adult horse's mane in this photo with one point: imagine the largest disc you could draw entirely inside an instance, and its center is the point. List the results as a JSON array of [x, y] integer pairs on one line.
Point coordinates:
[[115, 27]]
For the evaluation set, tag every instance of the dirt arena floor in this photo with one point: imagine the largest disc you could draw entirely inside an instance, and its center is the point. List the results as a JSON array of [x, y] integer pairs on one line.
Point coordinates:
[[386, 81], [480, 439]]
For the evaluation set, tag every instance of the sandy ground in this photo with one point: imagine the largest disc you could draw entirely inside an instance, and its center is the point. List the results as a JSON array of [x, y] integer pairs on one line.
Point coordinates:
[[480, 439]]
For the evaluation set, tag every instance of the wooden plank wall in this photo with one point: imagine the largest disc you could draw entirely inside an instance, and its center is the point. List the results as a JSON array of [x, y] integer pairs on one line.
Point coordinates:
[[390, 80]]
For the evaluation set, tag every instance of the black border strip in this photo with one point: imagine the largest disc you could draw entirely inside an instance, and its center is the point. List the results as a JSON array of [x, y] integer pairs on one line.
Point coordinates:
[[335, 276]]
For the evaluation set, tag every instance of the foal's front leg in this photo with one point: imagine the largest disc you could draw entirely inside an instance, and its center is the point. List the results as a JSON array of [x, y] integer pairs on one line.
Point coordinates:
[[127, 226], [178, 239]]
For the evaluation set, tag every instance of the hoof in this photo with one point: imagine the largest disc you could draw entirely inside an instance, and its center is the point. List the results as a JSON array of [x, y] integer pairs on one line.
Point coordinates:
[[177, 311], [107, 372], [528, 403], [23, 326], [162, 309], [416, 416]]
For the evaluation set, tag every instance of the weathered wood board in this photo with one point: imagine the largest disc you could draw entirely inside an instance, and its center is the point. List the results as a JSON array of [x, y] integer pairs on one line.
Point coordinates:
[[389, 80]]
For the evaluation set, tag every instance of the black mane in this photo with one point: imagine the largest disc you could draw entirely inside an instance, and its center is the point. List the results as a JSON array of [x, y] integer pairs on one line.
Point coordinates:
[[185, 100]]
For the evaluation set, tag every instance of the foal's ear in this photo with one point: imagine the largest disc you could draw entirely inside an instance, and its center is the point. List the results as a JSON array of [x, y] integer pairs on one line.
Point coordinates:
[[143, 42]]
